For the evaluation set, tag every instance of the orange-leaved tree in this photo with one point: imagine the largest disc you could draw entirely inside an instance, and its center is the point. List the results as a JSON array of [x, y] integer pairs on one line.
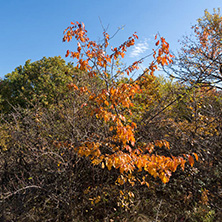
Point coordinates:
[[113, 105], [199, 60]]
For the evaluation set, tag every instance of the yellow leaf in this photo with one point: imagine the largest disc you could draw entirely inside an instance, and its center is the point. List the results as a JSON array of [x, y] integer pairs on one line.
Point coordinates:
[[165, 179], [109, 163], [121, 180], [96, 161]]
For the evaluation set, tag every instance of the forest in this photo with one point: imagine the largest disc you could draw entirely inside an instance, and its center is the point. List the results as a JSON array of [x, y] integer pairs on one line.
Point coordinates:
[[89, 140]]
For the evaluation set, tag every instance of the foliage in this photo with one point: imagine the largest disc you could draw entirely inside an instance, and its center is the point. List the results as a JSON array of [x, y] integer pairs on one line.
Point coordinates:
[[84, 155], [199, 59], [42, 82], [120, 148]]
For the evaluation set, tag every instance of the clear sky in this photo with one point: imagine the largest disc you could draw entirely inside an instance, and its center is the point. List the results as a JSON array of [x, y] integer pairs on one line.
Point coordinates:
[[31, 29]]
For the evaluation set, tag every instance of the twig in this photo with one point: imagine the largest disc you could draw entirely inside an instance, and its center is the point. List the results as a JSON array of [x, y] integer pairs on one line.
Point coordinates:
[[17, 191], [158, 210]]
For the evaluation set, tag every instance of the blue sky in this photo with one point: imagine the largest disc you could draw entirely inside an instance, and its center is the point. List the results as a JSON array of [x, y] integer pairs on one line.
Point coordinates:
[[31, 29]]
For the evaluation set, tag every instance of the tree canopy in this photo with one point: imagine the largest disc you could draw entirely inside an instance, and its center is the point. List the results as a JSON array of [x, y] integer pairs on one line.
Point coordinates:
[[44, 81], [199, 60]]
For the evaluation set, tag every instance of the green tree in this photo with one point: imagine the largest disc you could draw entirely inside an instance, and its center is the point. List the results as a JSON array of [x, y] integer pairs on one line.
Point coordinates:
[[44, 81]]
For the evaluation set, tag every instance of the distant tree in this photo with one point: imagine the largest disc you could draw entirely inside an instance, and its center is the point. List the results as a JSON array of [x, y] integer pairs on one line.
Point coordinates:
[[200, 58], [44, 81]]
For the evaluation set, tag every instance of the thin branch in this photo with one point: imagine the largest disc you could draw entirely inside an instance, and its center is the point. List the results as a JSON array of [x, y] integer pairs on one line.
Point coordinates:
[[17, 191]]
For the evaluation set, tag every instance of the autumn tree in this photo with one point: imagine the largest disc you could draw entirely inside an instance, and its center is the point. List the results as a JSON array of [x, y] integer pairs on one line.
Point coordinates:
[[199, 60], [197, 109], [113, 105]]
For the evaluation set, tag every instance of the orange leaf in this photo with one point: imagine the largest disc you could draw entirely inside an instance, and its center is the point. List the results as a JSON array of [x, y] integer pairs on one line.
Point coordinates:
[[157, 43], [191, 160], [84, 104], [106, 102], [67, 53], [128, 148], [133, 125], [196, 156]]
